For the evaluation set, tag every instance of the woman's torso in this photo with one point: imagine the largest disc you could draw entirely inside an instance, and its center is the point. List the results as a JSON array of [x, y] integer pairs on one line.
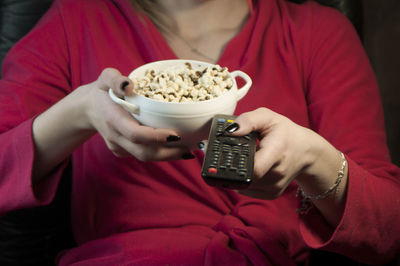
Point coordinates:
[[113, 195]]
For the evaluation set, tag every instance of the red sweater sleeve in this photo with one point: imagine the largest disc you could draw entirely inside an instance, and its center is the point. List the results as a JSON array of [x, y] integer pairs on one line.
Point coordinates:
[[345, 108], [35, 76]]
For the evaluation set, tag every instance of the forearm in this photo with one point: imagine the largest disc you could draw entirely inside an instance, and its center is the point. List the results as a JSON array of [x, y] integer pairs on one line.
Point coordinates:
[[58, 131], [368, 230]]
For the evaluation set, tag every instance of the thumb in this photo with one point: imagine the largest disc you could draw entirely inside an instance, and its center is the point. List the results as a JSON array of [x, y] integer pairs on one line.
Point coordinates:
[[259, 120], [112, 78]]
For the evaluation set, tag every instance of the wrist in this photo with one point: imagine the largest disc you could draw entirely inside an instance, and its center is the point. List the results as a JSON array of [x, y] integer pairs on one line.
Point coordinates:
[[324, 183], [321, 166], [307, 198], [82, 108]]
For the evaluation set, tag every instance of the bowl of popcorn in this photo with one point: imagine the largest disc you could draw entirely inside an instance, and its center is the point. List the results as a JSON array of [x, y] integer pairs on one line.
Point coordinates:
[[183, 95]]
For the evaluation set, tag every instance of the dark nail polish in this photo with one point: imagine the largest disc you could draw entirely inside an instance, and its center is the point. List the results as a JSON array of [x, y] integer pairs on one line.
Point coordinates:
[[200, 144], [232, 127], [124, 84], [188, 156], [173, 138]]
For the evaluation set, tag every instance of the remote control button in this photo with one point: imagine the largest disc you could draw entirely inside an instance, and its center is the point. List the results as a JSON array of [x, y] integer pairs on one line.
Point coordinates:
[[233, 141], [212, 170], [242, 174]]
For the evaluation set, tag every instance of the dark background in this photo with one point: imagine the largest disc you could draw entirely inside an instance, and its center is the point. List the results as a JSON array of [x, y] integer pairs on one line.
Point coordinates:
[[381, 33]]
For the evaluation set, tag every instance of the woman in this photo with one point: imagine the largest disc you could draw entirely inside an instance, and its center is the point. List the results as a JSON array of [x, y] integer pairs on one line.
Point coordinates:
[[134, 202]]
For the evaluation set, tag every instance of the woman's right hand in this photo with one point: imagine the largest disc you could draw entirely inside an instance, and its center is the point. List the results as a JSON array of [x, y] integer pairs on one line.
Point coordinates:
[[123, 134], [62, 128]]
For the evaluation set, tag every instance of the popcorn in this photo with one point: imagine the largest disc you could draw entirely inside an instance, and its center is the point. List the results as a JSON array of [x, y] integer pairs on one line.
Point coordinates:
[[184, 84]]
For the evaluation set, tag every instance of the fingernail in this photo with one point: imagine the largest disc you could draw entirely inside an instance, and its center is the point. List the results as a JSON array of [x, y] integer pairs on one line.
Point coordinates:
[[232, 127], [200, 144], [188, 156], [171, 138], [124, 84]]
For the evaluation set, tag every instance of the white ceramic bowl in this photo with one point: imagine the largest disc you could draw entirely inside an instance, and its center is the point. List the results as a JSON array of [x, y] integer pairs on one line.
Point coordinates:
[[190, 120]]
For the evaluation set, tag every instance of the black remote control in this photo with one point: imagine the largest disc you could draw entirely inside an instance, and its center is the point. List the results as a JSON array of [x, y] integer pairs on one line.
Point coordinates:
[[229, 161]]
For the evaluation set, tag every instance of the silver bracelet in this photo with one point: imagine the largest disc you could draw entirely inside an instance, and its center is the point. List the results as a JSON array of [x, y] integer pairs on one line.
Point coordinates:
[[306, 199]]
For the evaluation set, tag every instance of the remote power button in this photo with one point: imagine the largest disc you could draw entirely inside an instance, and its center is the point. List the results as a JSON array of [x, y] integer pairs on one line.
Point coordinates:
[[212, 170]]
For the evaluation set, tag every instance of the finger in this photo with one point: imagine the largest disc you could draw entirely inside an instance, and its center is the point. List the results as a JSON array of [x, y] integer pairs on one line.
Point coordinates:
[[121, 153], [203, 145], [126, 125], [140, 134], [268, 155], [154, 152], [120, 146], [269, 150], [271, 186], [259, 120], [112, 78], [117, 150]]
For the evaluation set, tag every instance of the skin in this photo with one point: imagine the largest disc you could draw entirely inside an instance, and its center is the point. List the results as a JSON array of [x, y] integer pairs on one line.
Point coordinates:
[[287, 151], [87, 110], [206, 25]]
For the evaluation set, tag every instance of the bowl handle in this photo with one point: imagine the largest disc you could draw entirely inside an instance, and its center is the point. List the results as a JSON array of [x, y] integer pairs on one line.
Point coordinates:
[[130, 107], [243, 90]]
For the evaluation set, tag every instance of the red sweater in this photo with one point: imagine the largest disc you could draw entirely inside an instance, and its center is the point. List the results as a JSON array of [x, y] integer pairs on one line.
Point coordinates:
[[306, 63]]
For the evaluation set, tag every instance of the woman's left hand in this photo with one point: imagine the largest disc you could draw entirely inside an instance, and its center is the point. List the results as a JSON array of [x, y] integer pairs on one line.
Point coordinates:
[[286, 151]]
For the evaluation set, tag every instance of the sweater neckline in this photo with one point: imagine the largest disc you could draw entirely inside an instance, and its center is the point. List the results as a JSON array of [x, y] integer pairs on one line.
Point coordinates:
[[159, 49]]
